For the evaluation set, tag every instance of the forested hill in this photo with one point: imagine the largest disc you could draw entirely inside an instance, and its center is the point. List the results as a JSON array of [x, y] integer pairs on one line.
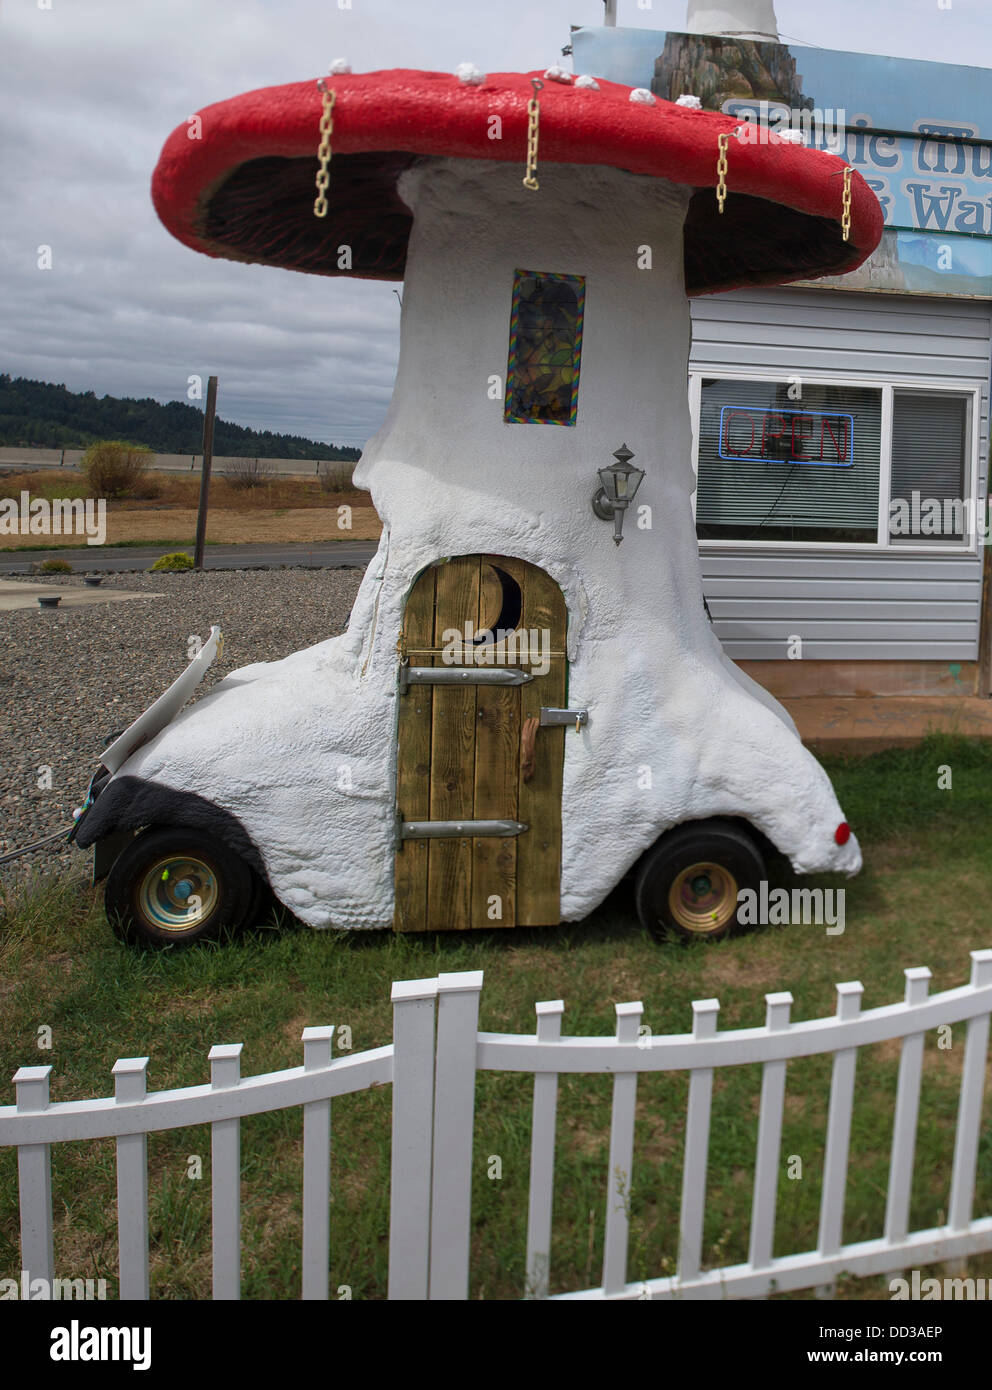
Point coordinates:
[[37, 412]]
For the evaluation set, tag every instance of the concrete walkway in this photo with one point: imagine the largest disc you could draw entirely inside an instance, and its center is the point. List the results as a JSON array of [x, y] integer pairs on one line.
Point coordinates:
[[15, 594], [862, 724]]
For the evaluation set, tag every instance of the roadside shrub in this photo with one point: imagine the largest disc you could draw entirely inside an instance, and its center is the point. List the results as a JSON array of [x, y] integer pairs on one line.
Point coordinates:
[[176, 560], [248, 473], [147, 487], [114, 468], [335, 477], [55, 567]]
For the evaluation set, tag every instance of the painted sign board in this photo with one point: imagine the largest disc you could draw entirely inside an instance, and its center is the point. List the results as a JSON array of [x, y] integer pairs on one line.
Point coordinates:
[[920, 133]]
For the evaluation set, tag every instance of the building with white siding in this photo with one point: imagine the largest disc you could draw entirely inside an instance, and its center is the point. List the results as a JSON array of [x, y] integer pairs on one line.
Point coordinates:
[[842, 426]]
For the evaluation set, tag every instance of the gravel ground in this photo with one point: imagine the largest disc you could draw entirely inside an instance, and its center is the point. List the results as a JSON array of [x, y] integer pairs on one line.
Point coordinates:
[[69, 678]]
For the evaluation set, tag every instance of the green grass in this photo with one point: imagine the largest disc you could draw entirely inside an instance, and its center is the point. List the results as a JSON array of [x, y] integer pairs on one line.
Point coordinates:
[[61, 485], [921, 900]]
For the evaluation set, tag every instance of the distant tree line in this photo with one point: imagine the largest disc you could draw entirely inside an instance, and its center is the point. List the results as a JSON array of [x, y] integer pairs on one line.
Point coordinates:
[[46, 416]]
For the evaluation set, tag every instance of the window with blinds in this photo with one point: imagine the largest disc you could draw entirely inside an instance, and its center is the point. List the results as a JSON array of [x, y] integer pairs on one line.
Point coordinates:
[[774, 467], [929, 459]]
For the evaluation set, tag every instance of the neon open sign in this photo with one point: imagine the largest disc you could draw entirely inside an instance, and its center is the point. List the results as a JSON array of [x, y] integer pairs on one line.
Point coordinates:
[[754, 434]]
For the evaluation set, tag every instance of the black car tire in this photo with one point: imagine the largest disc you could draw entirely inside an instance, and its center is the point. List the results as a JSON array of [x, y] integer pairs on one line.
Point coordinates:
[[165, 868], [689, 881]]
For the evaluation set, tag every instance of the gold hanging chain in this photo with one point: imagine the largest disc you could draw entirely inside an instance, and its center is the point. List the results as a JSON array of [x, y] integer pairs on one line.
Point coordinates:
[[721, 169], [324, 149], [722, 141], [533, 117], [845, 220]]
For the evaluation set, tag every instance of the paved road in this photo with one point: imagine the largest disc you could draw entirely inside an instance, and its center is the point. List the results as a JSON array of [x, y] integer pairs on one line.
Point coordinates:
[[16, 460], [108, 559]]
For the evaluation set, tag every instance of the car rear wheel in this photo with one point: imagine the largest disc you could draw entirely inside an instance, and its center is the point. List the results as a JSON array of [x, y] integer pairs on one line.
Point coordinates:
[[171, 887], [689, 882]]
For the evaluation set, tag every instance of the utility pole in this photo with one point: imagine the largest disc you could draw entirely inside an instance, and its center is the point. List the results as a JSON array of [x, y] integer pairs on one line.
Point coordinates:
[[985, 621], [208, 458]]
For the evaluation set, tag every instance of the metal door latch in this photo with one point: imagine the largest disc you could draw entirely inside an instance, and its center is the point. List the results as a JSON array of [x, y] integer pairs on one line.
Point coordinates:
[[456, 829], [460, 675], [551, 718]]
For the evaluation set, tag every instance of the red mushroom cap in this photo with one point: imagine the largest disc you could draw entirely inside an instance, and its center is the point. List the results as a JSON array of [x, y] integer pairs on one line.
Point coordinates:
[[245, 189]]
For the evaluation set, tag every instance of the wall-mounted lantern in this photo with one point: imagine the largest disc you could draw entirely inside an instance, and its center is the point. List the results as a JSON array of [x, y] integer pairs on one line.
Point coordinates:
[[620, 482]]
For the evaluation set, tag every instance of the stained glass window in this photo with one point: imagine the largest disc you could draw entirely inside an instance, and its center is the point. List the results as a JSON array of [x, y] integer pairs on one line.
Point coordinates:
[[542, 376]]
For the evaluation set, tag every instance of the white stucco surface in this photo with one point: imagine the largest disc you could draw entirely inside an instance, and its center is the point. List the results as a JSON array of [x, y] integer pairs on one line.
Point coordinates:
[[302, 751]]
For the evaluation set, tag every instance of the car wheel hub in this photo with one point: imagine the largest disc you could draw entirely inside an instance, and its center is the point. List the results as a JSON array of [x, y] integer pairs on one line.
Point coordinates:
[[176, 894], [703, 898]]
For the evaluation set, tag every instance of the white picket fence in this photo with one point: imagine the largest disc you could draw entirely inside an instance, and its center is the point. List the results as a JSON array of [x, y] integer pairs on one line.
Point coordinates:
[[432, 1063]]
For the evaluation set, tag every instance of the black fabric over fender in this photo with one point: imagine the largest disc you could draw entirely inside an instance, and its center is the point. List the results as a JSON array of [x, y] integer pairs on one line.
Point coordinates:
[[131, 803]]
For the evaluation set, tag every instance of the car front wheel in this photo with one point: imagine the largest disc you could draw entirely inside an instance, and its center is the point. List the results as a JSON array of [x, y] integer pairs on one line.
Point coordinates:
[[171, 887]]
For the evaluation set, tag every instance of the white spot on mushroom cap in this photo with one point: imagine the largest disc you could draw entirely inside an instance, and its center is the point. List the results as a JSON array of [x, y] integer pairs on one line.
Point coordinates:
[[469, 74], [687, 99], [642, 97], [586, 81], [339, 67], [556, 73], [791, 137]]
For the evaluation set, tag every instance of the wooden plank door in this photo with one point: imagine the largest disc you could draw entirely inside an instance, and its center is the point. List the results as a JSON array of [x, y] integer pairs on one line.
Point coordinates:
[[459, 754]]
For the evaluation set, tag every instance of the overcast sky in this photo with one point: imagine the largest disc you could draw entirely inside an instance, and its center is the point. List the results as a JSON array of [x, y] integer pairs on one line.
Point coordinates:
[[89, 90]]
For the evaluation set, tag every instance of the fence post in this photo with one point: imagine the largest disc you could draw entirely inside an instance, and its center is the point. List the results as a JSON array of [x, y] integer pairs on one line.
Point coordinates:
[[970, 1103], [130, 1086], [34, 1181], [317, 1043], [907, 1111], [542, 1157], [768, 1157], [838, 1134], [454, 1109], [697, 1145], [621, 1161], [413, 1128], [225, 1176]]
